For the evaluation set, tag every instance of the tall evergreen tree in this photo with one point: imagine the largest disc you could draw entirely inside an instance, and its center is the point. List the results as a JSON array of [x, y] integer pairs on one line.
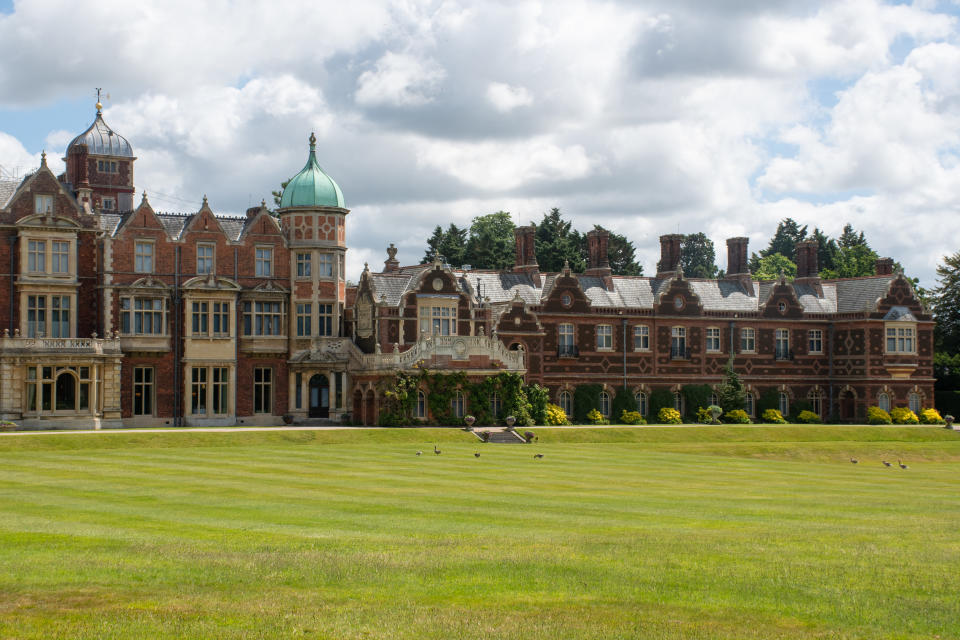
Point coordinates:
[[557, 242], [454, 245], [433, 245], [854, 258], [784, 242], [826, 250], [698, 258], [731, 393], [491, 241], [946, 305], [850, 238]]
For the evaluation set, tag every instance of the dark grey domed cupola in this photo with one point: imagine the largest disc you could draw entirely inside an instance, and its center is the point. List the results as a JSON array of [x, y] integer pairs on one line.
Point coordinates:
[[100, 167]]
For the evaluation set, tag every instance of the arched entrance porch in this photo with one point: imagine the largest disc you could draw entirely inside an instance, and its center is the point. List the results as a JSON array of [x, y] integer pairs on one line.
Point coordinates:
[[319, 396]]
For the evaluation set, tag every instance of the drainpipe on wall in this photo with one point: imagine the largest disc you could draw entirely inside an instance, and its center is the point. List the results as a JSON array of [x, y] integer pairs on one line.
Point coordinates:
[[13, 243], [830, 370], [176, 338], [624, 321]]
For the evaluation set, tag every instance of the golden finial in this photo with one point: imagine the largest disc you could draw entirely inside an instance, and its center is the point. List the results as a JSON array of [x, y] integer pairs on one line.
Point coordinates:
[[99, 104]]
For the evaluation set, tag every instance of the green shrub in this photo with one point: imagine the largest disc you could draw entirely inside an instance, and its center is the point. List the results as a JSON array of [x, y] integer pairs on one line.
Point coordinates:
[[903, 415], [695, 395], [623, 401], [773, 416], [586, 398], [876, 415], [539, 398], [555, 416], [704, 416], [659, 399], [632, 417], [769, 399], [808, 417], [737, 416], [931, 416], [595, 417], [669, 415]]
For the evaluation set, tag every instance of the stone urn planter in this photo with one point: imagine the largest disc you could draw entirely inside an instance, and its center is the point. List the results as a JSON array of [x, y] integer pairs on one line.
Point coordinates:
[[949, 420], [469, 420], [510, 420]]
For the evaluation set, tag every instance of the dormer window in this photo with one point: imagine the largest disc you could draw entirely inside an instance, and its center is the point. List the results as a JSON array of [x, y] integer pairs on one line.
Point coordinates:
[[900, 339], [43, 204], [107, 166], [109, 204]]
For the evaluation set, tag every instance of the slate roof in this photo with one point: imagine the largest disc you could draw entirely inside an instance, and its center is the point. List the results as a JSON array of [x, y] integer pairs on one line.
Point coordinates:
[[233, 227], [174, 223], [837, 296], [110, 222], [7, 189]]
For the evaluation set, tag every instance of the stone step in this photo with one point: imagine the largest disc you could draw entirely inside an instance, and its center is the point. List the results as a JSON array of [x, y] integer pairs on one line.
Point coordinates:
[[502, 437]]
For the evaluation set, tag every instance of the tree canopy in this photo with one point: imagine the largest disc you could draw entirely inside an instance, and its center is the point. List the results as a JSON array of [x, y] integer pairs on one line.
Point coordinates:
[[697, 256], [450, 244], [557, 242], [770, 267], [945, 299], [491, 241]]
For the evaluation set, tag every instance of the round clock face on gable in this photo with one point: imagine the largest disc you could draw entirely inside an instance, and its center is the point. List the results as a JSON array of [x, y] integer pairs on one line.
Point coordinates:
[[437, 284], [566, 300], [678, 302]]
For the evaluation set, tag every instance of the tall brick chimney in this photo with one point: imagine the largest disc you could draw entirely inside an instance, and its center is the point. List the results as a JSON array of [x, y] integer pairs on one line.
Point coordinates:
[[737, 263], [884, 267], [807, 264], [598, 261], [525, 253], [669, 265]]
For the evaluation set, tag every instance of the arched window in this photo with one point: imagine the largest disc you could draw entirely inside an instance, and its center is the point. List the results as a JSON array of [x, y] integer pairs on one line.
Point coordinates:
[[883, 401], [714, 399], [421, 405], [749, 404], [816, 402], [914, 400], [641, 399], [784, 403], [605, 404], [566, 402], [456, 404], [678, 401], [496, 406]]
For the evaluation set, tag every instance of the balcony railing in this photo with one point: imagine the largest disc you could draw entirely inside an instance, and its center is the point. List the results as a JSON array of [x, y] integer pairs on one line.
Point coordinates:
[[567, 351], [679, 353]]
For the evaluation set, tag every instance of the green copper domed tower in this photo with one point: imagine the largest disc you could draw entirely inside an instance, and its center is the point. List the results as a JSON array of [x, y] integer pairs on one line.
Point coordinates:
[[313, 219]]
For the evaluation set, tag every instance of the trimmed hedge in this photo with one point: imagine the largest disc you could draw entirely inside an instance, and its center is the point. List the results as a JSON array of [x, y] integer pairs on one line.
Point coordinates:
[[586, 398], [660, 399], [624, 401]]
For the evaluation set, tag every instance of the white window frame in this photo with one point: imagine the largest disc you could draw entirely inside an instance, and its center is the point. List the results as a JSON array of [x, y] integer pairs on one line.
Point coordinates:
[[783, 403], [36, 256], [206, 263], [143, 256], [641, 337], [640, 397], [915, 402], [43, 203], [815, 340], [263, 262], [902, 337], [438, 317], [605, 404], [565, 402], [458, 404], [678, 342], [304, 264], [748, 340], [325, 262], [604, 337], [781, 344], [883, 401], [750, 404], [59, 257], [713, 339]]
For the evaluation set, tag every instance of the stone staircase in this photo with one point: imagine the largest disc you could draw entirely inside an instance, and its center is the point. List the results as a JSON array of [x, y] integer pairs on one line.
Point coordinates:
[[502, 437]]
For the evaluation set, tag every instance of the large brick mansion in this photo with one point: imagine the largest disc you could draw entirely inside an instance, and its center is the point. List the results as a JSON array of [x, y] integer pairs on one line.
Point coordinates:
[[119, 315]]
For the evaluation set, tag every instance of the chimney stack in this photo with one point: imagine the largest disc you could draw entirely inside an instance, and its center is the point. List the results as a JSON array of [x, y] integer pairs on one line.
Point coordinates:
[[737, 256], [598, 261], [525, 253], [391, 263], [669, 265], [807, 266], [884, 266]]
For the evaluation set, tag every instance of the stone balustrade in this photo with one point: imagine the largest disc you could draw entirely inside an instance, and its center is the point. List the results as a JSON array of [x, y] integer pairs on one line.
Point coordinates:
[[110, 346]]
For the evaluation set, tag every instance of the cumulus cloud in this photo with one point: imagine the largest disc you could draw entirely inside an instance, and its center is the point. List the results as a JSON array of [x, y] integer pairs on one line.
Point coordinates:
[[647, 117]]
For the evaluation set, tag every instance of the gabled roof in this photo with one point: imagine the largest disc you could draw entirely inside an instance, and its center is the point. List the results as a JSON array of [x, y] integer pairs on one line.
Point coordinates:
[[7, 189]]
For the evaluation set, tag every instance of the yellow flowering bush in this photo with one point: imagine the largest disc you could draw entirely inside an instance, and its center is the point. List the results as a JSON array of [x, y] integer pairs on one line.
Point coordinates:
[[556, 416], [669, 415], [903, 415], [876, 415], [595, 417], [736, 416], [774, 416], [931, 416], [809, 417], [632, 417]]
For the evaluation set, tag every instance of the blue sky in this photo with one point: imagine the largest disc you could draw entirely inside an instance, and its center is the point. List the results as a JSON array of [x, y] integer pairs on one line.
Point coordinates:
[[646, 117]]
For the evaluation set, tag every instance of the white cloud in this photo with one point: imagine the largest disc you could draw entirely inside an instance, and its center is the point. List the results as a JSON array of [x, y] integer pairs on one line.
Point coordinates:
[[504, 166], [505, 97], [400, 80]]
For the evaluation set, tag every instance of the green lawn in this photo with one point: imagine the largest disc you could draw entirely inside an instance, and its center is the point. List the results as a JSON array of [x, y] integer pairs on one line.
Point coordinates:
[[693, 532]]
